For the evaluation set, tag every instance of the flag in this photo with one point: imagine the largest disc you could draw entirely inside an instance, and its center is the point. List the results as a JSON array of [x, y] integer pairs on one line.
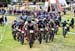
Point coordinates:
[[58, 6]]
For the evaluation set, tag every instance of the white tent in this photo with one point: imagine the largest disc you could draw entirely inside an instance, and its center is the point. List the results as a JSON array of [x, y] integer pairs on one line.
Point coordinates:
[[62, 2], [52, 1]]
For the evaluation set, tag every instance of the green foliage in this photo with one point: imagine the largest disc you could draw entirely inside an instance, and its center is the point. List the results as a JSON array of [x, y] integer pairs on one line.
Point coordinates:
[[30, 0], [5, 1]]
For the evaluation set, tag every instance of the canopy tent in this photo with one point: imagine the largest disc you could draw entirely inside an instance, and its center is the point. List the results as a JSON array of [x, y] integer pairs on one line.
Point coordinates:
[[56, 3], [62, 2]]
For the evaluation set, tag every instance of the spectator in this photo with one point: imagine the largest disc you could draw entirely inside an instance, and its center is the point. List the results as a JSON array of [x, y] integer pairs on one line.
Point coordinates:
[[48, 9], [68, 25], [4, 19], [74, 13], [72, 23], [34, 2], [64, 11]]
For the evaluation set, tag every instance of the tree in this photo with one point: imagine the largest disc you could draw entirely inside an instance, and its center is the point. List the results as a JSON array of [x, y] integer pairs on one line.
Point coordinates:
[[5, 1]]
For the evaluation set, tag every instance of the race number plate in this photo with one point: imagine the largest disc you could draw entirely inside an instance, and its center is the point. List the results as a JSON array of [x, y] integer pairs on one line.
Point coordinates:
[[31, 31], [52, 28], [41, 29], [57, 26], [19, 30], [14, 29], [25, 28], [46, 28], [22, 31], [65, 27]]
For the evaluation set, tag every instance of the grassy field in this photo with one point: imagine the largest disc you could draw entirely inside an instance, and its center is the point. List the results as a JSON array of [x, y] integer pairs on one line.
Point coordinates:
[[59, 43]]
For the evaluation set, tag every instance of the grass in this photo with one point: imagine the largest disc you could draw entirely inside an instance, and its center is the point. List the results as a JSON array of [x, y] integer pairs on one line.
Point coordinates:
[[59, 43]]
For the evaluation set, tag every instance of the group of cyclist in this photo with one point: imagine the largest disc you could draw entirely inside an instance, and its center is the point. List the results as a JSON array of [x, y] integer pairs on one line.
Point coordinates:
[[38, 27]]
